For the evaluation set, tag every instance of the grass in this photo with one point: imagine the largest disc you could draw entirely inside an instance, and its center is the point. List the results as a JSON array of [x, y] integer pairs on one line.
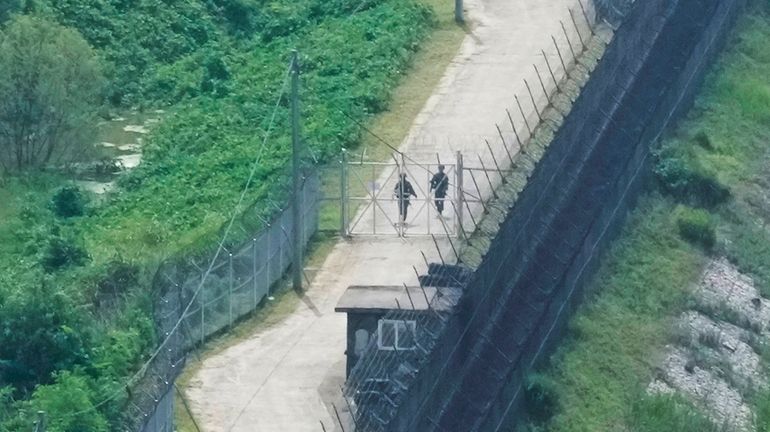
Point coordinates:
[[20, 196], [617, 337], [392, 125], [664, 413], [641, 288], [410, 96]]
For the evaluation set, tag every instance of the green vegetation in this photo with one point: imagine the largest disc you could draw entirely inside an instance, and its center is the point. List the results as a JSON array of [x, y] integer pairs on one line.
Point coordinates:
[[667, 413], [75, 281], [48, 95], [541, 398], [697, 226], [710, 198], [607, 354], [393, 124]]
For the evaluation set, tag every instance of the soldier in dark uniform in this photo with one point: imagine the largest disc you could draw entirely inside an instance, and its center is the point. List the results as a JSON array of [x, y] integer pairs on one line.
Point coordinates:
[[440, 184], [403, 191]]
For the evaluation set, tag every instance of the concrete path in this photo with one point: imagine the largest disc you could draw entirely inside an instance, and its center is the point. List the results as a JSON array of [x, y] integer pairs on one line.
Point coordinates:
[[284, 378]]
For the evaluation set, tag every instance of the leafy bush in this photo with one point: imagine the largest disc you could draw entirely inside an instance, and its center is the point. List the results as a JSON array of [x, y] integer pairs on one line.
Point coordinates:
[[541, 398], [702, 139], [61, 252], [119, 278], [40, 332], [71, 396], [137, 36], [697, 226], [681, 176], [762, 412], [216, 73], [749, 249], [667, 413], [8, 7], [199, 158], [68, 202]]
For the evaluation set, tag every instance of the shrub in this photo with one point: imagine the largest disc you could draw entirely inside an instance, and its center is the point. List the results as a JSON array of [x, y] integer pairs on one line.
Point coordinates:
[[62, 252], [40, 332], [541, 398], [762, 412], [667, 413], [702, 139], [112, 282], [697, 227], [749, 248], [69, 404], [68, 202], [681, 176], [7, 7], [216, 73]]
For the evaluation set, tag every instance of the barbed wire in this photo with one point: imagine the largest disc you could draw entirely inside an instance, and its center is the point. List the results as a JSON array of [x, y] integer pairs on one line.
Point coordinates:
[[377, 366]]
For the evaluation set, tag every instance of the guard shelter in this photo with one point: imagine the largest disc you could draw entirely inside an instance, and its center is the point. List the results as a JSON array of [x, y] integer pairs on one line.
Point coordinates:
[[367, 307]]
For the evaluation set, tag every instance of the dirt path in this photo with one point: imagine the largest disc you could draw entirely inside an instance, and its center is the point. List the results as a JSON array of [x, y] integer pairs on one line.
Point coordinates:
[[284, 378]]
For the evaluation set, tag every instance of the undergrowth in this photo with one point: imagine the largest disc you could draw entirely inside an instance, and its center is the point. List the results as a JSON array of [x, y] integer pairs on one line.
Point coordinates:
[[709, 200], [76, 300]]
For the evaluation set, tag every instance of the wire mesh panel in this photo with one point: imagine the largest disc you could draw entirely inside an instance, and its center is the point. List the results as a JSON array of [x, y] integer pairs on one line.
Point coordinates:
[[201, 296], [379, 203], [162, 419], [238, 280]]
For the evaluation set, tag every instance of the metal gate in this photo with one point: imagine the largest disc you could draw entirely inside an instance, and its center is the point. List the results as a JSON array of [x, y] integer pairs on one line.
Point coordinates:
[[372, 207], [368, 206], [359, 197]]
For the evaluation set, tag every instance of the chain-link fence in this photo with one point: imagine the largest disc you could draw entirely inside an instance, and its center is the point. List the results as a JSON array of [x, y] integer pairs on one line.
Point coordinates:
[[240, 278], [200, 297]]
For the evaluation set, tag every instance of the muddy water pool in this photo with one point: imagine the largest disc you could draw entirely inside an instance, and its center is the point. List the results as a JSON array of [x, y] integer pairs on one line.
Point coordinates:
[[118, 149]]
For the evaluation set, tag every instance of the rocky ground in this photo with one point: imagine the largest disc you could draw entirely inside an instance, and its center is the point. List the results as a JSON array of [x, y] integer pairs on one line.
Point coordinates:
[[715, 359]]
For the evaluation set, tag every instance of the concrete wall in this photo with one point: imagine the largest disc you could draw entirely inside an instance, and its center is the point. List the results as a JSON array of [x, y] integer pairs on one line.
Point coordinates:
[[519, 299]]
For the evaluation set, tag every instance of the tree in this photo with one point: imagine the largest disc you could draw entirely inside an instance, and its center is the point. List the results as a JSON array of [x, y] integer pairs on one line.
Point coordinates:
[[7, 7], [49, 94]]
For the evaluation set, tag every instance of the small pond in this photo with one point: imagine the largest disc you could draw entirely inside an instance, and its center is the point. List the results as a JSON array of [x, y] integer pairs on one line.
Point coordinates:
[[118, 149]]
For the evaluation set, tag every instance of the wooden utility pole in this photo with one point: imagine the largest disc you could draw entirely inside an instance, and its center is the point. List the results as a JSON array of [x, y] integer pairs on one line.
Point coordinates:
[[296, 208]]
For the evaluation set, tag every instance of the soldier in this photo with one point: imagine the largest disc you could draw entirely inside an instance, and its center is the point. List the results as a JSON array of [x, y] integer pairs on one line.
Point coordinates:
[[439, 183], [403, 191]]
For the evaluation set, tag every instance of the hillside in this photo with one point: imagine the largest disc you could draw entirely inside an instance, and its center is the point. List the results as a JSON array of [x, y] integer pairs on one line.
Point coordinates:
[[75, 304]]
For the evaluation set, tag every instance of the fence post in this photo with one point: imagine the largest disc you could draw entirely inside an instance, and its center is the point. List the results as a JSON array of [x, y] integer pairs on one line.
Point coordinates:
[[203, 307], [40, 423], [268, 259], [230, 288], [343, 193], [459, 12], [459, 192], [254, 271]]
